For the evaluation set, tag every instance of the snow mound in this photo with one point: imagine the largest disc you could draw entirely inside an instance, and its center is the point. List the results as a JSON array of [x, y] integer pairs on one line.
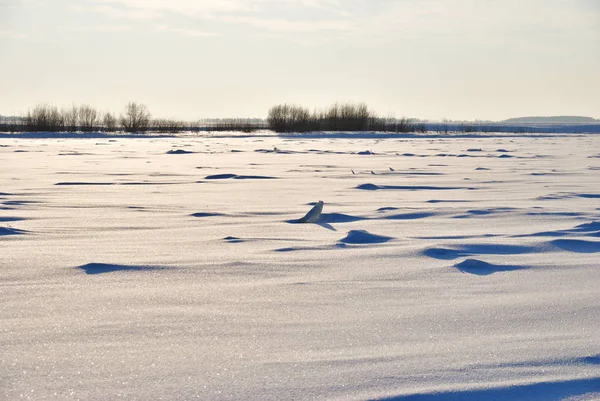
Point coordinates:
[[99, 268], [410, 216], [373, 187], [587, 227], [368, 187], [339, 218], [233, 240], [316, 216], [220, 176], [569, 390], [237, 177], [481, 268], [591, 229], [179, 152], [479, 249], [577, 245], [364, 237], [10, 231], [207, 214]]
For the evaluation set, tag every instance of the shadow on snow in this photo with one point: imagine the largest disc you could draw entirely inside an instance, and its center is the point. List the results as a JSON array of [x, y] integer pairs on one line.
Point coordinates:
[[548, 391], [99, 268]]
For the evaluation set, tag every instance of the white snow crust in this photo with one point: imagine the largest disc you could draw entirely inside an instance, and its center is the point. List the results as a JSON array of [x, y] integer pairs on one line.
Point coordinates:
[[439, 269]]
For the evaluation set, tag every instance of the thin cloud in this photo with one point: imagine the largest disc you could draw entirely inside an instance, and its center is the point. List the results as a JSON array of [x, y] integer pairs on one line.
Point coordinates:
[[14, 3], [200, 8], [285, 25], [136, 14], [8, 34], [468, 19], [193, 33], [156, 8], [102, 28]]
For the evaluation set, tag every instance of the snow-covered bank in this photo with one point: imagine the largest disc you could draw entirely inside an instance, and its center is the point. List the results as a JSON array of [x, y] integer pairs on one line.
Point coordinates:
[[437, 269], [431, 134]]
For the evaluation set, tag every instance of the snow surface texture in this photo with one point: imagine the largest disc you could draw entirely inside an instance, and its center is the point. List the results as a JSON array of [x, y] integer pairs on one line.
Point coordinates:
[[437, 269]]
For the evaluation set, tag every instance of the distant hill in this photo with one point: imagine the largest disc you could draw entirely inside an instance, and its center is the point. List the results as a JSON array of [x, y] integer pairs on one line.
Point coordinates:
[[552, 120]]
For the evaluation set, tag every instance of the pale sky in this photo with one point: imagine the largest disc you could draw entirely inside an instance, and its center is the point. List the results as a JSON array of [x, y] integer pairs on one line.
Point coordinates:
[[191, 59]]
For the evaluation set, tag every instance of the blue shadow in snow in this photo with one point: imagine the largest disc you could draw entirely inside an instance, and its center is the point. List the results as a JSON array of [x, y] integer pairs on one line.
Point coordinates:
[[475, 249], [238, 177], [481, 268], [373, 187], [364, 237], [577, 245], [410, 216], [592, 360], [99, 268], [10, 231], [591, 229], [549, 391], [326, 219], [206, 214], [10, 219]]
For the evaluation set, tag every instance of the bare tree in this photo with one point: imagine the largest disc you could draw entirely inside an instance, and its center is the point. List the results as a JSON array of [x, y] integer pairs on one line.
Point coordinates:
[[71, 118], [44, 118], [168, 126], [289, 118], [338, 117], [109, 121], [88, 118], [234, 124], [136, 118]]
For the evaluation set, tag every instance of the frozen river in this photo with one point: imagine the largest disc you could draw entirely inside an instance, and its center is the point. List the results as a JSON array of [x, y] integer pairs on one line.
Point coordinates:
[[174, 269]]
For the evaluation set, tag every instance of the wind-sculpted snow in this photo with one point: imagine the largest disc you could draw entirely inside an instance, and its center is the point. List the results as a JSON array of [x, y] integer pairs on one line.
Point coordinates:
[[84, 183], [479, 249], [575, 390], [10, 219], [10, 231], [577, 245], [364, 237], [591, 229], [179, 152], [327, 267], [374, 187], [237, 177], [100, 268], [207, 214], [481, 268], [410, 216], [567, 195]]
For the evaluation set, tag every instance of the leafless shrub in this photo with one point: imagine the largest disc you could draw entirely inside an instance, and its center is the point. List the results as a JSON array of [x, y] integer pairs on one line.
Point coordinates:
[[109, 121], [232, 124], [338, 117], [136, 118], [88, 118], [167, 126], [44, 117], [71, 118], [396, 125], [346, 117], [289, 118]]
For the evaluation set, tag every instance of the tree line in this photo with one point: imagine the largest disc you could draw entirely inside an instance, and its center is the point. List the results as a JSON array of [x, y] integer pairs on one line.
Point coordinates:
[[338, 117], [136, 118]]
